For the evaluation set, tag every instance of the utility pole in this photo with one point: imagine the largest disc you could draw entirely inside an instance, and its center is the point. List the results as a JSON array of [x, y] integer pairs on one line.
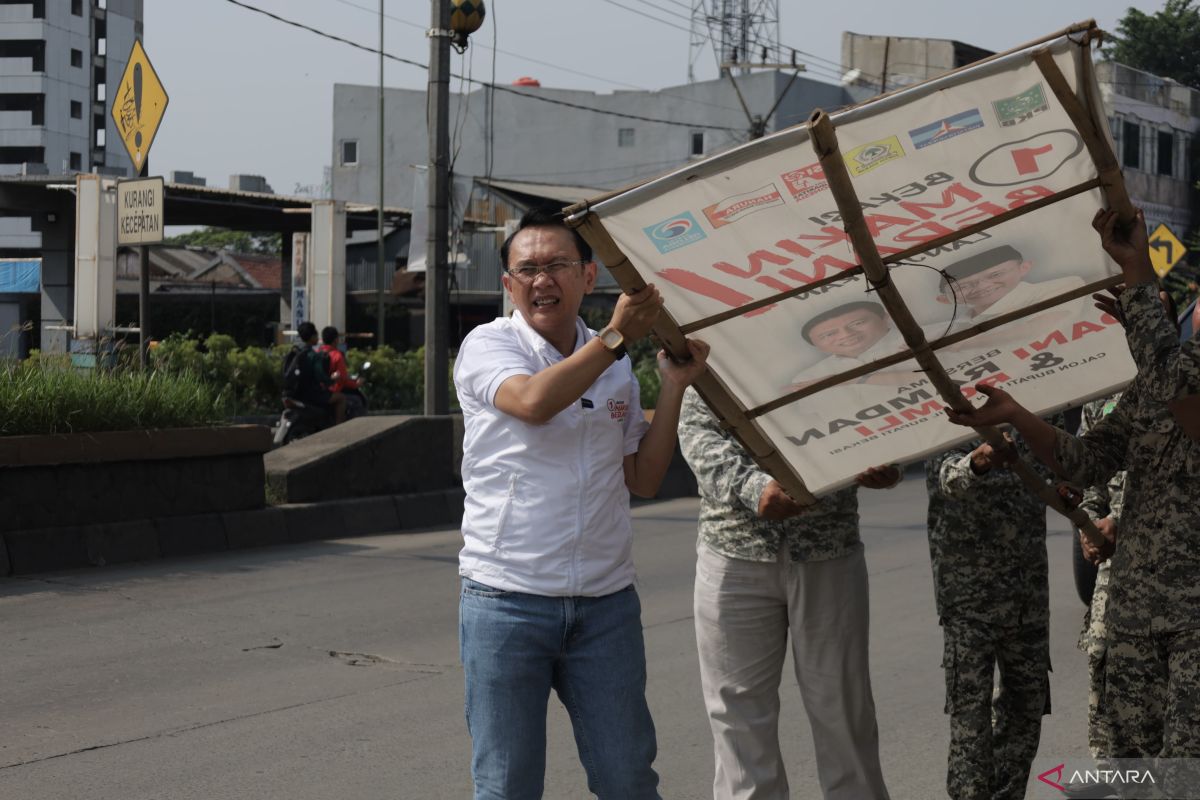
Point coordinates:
[[380, 267], [437, 363]]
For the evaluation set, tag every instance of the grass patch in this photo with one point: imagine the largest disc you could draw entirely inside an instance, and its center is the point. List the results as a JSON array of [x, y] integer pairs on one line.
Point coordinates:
[[46, 395]]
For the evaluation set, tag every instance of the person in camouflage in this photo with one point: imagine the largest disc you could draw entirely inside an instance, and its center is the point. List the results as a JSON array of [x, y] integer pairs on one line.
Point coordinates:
[[767, 566], [1168, 371], [987, 544], [1102, 503], [1151, 695]]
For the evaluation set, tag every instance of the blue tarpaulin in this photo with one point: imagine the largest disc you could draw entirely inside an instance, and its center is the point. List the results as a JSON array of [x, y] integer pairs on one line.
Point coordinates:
[[20, 275]]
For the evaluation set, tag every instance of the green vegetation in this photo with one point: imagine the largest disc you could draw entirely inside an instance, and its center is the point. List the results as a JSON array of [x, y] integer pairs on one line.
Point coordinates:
[[251, 378], [224, 239], [45, 394], [1165, 43]]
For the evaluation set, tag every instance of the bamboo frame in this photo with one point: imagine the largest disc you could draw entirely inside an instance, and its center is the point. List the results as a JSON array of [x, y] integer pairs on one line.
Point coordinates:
[[712, 389], [838, 177], [895, 258], [936, 344], [736, 417]]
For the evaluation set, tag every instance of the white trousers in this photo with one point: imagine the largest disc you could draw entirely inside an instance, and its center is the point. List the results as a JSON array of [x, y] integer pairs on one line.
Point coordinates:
[[744, 613]]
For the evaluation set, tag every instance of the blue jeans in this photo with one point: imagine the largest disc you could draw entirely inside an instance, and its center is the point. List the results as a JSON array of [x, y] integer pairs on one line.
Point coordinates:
[[515, 647]]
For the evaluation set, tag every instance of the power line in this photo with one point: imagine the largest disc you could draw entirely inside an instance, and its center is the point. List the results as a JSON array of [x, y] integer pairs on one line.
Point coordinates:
[[648, 16], [493, 86], [551, 65]]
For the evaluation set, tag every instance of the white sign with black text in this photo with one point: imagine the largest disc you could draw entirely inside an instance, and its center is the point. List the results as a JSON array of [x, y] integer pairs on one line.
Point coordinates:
[[140, 211]]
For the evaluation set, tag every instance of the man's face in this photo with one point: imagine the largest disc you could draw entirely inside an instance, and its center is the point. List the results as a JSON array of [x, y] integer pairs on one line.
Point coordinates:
[[982, 289], [548, 303], [849, 334]]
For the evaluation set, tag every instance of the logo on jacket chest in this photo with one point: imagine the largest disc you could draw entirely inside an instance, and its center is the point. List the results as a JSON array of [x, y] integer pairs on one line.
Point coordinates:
[[617, 409]]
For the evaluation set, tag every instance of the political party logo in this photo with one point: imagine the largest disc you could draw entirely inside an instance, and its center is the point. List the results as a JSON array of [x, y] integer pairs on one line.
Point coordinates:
[[676, 232], [805, 182], [947, 128], [867, 157], [731, 209], [617, 409], [1021, 107]]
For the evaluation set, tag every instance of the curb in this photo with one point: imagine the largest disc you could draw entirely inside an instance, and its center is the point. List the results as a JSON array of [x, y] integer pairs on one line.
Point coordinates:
[[27, 552]]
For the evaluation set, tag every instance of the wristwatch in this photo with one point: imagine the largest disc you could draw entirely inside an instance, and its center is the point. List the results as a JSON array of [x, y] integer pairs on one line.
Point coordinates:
[[614, 341]]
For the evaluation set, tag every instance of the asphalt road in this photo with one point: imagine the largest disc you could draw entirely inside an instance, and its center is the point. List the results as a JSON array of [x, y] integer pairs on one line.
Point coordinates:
[[330, 670]]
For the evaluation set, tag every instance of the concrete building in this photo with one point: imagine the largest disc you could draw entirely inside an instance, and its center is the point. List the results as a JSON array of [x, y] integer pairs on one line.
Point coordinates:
[[1154, 123], [882, 63], [538, 134], [59, 62]]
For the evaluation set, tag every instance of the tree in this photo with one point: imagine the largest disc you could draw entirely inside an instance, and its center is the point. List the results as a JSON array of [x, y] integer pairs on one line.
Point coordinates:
[[225, 239], [1166, 43]]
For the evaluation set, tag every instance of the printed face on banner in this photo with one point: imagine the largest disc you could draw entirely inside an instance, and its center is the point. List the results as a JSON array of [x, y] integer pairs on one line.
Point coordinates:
[[953, 158]]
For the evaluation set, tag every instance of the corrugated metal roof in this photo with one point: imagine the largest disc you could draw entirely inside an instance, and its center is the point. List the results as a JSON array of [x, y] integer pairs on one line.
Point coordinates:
[[561, 193]]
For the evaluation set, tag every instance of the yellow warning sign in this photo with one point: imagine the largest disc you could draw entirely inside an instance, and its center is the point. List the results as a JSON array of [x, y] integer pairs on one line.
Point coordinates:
[[138, 106], [1165, 249]]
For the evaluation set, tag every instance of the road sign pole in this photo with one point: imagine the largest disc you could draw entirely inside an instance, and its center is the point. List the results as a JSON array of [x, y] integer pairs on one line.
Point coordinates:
[[144, 305], [437, 362], [380, 268]]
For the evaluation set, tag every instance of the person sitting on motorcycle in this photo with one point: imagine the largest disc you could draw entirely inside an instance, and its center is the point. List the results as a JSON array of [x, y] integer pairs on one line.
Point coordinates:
[[317, 386], [337, 360], [339, 371]]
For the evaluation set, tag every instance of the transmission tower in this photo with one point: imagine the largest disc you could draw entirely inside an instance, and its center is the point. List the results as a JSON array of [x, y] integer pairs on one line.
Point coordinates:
[[743, 33]]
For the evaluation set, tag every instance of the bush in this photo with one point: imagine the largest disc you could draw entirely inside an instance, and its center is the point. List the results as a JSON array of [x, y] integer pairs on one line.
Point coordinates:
[[251, 378], [45, 394], [396, 380]]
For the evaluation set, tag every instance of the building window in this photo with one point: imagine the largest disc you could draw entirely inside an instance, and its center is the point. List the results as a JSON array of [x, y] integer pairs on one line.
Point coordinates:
[[76, 161], [698, 143], [76, 109], [1131, 145], [76, 57], [1166, 153], [625, 137], [77, 7], [349, 152]]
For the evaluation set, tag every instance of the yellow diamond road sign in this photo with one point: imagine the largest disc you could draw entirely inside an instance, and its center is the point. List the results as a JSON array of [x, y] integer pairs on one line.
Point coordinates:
[[138, 106], [1165, 249]]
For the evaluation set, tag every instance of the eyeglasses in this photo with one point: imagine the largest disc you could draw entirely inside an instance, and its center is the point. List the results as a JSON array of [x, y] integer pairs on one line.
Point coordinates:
[[527, 273]]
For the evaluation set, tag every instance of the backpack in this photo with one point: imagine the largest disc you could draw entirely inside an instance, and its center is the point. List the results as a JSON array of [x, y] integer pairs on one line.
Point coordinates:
[[295, 367]]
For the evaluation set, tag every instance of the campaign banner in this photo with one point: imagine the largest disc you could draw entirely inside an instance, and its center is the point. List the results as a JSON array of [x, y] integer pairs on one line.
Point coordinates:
[[953, 160]]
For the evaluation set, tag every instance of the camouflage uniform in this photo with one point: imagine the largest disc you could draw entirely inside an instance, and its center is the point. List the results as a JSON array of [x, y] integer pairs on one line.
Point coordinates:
[[1151, 695], [987, 542], [1166, 368], [1099, 501], [757, 582]]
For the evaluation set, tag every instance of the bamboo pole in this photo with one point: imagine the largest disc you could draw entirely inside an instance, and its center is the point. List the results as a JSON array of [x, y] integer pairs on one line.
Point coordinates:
[[715, 393], [825, 144], [1112, 182]]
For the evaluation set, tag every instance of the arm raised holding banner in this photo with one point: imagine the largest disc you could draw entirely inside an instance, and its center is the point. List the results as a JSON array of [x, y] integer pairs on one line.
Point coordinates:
[[1167, 369]]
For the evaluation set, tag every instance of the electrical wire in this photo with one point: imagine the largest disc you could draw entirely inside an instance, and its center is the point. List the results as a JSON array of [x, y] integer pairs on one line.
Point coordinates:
[[495, 87], [648, 16], [551, 65]]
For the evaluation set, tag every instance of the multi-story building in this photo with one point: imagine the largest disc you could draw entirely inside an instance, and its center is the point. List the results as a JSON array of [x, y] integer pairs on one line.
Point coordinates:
[[1154, 123], [59, 61]]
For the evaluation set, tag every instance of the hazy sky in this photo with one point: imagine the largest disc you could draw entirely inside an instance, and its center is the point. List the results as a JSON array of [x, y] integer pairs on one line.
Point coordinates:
[[249, 94]]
